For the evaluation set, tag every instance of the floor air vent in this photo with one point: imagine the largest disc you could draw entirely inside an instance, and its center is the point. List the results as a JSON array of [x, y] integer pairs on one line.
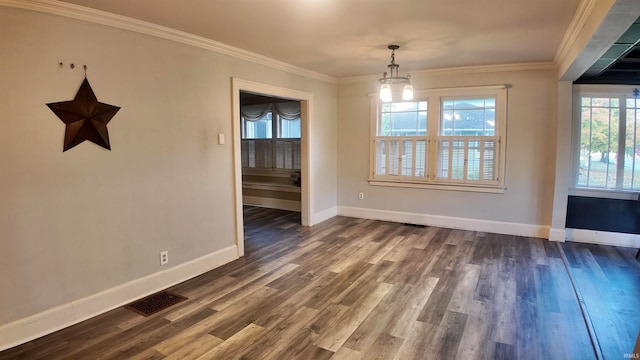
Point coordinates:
[[154, 303]]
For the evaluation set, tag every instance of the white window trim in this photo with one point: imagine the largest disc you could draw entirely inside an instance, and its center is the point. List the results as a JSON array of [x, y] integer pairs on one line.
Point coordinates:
[[593, 90], [434, 98]]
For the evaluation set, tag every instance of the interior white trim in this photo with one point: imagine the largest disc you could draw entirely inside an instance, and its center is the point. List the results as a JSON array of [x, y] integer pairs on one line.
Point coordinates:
[[603, 238], [460, 71], [580, 18], [126, 23], [499, 227], [321, 216], [54, 319], [306, 171], [559, 235]]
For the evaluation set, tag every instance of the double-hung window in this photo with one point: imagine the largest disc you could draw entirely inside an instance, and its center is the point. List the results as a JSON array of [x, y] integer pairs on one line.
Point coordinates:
[[271, 137], [606, 139], [447, 138]]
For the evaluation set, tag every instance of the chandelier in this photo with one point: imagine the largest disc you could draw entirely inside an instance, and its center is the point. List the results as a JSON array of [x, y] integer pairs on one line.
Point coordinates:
[[393, 78]]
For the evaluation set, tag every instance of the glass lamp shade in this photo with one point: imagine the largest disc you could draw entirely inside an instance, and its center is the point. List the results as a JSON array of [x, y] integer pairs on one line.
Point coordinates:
[[385, 92], [407, 92]]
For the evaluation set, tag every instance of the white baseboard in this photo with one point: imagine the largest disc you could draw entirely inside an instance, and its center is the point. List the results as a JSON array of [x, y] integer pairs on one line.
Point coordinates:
[[54, 319], [603, 238], [559, 235], [271, 203], [499, 227], [321, 216]]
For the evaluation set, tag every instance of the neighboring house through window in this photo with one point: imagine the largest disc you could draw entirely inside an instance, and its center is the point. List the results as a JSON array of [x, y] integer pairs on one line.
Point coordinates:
[[447, 138]]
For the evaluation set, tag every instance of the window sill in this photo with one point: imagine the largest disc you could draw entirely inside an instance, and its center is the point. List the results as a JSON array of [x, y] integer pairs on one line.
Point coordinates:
[[451, 187], [604, 194]]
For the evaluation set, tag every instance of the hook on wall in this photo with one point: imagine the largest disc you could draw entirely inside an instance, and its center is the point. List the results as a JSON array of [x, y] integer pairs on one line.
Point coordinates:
[[72, 66]]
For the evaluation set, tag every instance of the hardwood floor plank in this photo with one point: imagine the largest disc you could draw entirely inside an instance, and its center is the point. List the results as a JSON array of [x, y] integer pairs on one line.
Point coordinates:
[[196, 334], [435, 308], [234, 344], [384, 347], [448, 335], [194, 348], [346, 354], [333, 338], [411, 307], [505, 352], [244, 289], [364, 289], [609, 280], [476, 338], [417, 344], [113, 346], [503, 313], [341, 283], [270, 346]]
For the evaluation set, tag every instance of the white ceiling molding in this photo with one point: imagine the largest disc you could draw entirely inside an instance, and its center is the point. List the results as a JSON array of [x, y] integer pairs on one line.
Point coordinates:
[[585, 8], [461, 71], [125, 23]]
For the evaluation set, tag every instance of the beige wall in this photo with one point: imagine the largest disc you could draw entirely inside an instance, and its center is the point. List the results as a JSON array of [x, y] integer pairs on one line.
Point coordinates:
[[530, 153], [77, 223]]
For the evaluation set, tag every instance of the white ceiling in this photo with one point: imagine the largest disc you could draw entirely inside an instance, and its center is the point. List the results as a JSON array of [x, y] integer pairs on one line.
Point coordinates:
[[346, 38]]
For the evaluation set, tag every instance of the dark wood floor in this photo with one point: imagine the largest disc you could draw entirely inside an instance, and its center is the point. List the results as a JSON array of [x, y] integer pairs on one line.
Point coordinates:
[[608, 281], [362, 289]]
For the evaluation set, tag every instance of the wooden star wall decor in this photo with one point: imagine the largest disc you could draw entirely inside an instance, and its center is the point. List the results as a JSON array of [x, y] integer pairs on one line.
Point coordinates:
[[85, 118]]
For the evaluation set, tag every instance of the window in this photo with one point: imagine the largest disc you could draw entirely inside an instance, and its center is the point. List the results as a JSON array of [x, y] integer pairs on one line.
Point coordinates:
[[607, 145], [262, 150], [448, 137]]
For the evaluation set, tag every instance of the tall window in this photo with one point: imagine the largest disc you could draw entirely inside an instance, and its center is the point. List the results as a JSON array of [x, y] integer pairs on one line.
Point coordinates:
[[607, 147], [271, 136], [450, 137]]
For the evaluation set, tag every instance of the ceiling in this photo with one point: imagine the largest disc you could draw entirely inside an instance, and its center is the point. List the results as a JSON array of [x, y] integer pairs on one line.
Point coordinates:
[[348, 38], [620, 64]]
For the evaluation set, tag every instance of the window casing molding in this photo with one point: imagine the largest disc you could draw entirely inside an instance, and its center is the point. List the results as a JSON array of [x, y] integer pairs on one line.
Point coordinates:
[[430, 175], [622, 93]]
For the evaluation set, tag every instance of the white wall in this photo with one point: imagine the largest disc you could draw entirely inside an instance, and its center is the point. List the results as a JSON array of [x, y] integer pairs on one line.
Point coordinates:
[[75, 224], [526, 203]]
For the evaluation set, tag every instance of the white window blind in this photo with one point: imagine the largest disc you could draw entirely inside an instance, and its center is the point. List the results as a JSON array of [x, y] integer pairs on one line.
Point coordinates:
[[459, 141], [271, 136], [468, 160], [276, 154]]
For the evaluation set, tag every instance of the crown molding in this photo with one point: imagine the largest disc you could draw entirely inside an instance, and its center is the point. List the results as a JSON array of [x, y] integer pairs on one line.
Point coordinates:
[[462, 70], [126, 23], [585, 8]]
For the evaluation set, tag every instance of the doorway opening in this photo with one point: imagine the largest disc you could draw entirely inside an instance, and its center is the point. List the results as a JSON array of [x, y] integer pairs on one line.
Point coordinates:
[[271, 153], [290, 167]]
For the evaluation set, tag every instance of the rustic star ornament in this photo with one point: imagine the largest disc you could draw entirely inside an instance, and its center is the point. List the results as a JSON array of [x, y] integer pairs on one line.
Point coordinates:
[[85, 118]]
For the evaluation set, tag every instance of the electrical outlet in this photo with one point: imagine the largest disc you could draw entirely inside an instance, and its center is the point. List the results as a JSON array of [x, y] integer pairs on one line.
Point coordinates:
[[360, 196], [164, 257]]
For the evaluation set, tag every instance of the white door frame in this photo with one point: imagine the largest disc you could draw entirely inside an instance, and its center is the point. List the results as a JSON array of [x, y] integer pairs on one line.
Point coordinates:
[[306, 115]]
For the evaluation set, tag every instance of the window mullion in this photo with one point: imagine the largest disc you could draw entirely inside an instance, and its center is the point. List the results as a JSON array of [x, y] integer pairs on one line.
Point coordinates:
[[622, 139], [400, 152], [481, 160], [465, 167], [387, 157], [590, 143], [413, 158], [635, 146], [433, 118], [450, 160]]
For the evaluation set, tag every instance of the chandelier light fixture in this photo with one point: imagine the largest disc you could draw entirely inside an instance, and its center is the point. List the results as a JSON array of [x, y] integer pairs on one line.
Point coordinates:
[[393, 78]]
